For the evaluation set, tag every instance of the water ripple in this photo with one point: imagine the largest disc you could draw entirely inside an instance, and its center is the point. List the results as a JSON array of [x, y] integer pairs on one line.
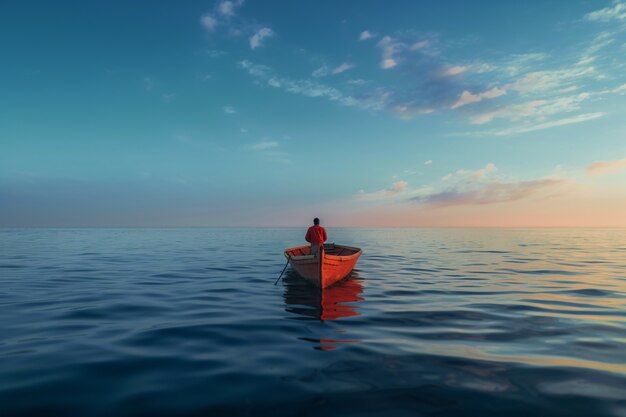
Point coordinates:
[[450, 322]]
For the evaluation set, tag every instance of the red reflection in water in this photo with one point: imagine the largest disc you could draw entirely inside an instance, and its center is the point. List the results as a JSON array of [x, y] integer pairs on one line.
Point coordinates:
[[333, 299], [332, 303]]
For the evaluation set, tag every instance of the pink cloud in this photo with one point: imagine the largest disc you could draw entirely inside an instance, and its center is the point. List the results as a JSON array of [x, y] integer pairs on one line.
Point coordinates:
[[394, 189], [605, 167], [478, 174]]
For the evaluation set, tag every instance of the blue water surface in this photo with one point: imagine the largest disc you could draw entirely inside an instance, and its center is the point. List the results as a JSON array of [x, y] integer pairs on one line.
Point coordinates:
[[433, 322]]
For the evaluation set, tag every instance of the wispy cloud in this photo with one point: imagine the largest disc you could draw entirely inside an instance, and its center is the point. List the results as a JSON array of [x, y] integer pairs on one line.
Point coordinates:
[[468, 188], [325, 70], [469, 98], [321, 71], [512, 112], [399, 189], [615, 12], [227, 8], [429, 162], [532, 127], [539, 109], [388, 63], [397, 186], [462, 175], [365, 35], [536, 85], [391, 49], [256, 70], [620, 90], [229, 110], [312, 88], [478, 174], [222, 14], [489, 193], [224, 17], [419, 45], [606, 167], [342, 68], [591, 53], [208, 22], [257, 39], [455, 70], [530, 87], [360, 81], [542, 81], [516, 64]]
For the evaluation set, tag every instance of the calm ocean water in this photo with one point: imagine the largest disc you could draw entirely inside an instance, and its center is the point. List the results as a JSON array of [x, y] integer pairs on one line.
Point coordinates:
[[434, 322]]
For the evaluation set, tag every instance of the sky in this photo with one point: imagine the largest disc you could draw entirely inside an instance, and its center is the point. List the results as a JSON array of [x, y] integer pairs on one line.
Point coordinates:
[[269, 113]]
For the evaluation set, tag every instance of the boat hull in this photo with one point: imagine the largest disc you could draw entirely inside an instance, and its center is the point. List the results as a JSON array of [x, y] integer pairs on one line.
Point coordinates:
[[331, 265]]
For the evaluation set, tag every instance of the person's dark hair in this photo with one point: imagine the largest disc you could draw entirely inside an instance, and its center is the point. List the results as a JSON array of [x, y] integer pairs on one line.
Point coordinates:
[[316, 221]]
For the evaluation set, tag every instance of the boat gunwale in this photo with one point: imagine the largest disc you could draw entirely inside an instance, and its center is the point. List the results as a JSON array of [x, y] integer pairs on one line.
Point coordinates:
[[300, 258]]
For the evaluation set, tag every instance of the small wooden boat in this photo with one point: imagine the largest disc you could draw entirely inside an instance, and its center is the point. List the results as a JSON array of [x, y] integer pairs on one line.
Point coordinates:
[[332, 264]]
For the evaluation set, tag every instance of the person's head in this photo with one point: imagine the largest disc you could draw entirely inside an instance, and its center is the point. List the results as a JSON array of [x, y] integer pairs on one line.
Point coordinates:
[[316, 221]]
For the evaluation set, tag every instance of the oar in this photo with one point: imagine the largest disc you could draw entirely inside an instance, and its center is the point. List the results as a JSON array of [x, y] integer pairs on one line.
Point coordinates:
[[281, 274]]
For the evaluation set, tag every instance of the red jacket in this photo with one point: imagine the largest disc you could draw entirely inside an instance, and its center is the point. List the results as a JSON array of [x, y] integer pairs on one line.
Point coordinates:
[[316, 235]]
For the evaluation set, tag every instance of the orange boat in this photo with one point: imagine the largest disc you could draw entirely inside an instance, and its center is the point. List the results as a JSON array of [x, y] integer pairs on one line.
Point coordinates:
[[334, 263]]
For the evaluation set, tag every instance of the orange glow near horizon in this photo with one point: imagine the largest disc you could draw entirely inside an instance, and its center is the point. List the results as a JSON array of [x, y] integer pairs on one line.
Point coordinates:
[[560, 211]]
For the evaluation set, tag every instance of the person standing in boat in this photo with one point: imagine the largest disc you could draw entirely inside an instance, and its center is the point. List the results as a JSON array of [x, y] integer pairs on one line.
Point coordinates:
[[316, 236]]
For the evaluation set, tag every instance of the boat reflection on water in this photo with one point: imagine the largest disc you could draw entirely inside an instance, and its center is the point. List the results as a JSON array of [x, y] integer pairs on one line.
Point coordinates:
[[315, 303], [308, 302]]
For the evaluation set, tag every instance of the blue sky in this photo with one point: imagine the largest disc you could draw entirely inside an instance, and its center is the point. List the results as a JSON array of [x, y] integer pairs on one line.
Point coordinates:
[[364, 113]]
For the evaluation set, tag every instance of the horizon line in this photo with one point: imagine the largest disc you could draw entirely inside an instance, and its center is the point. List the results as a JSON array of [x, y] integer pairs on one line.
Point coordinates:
[[304, 226]]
